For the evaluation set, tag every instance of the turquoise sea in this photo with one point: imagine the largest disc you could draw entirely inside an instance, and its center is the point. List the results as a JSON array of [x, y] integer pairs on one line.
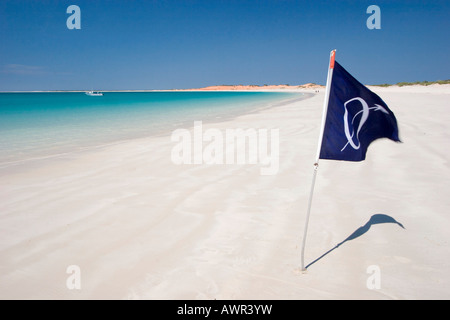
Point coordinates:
[[34, 125]]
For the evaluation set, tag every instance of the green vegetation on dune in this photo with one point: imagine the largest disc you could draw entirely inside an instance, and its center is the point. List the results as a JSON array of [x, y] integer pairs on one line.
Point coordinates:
[[422, 83]]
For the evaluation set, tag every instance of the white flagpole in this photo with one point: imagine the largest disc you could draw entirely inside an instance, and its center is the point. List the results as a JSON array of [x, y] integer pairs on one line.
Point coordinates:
[[316, 164]]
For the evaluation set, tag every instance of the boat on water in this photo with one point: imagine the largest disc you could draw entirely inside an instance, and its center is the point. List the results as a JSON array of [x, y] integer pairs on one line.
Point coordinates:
[[94, 93]]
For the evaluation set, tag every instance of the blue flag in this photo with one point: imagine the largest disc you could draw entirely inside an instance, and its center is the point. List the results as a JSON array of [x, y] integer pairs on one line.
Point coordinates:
[[356, 116]]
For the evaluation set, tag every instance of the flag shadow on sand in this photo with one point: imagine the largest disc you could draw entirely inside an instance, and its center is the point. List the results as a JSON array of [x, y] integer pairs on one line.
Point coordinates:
[[375, 219]]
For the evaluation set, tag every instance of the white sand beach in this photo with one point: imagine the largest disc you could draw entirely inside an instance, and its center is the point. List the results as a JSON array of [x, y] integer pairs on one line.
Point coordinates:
[[141, 227]]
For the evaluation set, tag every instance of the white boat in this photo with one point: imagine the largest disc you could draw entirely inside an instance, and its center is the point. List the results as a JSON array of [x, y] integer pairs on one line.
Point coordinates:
[[94, 93]]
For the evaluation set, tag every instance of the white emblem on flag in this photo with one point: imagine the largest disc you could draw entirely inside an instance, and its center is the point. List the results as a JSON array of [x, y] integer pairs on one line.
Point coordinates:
[[365, 110]]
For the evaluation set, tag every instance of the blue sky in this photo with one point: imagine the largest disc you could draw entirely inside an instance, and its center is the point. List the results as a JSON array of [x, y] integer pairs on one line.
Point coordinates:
[[159, 44]]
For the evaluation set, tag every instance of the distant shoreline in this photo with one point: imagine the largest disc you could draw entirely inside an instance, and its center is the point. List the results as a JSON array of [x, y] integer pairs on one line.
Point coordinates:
[[241, 87], [207, 88]]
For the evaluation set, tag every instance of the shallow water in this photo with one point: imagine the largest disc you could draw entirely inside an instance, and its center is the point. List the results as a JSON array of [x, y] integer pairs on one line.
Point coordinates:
[[44, 124]]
